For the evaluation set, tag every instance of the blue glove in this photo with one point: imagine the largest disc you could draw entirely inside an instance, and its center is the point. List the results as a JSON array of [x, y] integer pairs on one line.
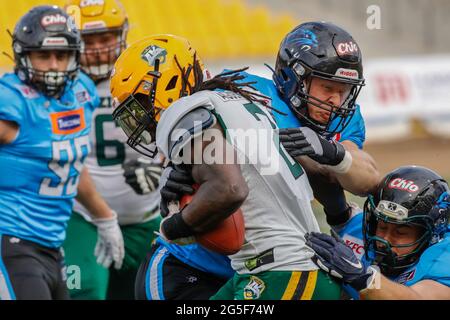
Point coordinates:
[[337, 259]]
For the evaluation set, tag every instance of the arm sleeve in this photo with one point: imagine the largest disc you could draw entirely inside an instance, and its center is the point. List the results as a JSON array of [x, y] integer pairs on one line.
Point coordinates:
[[11, 106], [356, 130], [434, 263]]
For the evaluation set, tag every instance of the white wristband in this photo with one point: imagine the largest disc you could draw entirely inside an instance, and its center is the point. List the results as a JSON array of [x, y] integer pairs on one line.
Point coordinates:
[[344, 166], [374, 282]]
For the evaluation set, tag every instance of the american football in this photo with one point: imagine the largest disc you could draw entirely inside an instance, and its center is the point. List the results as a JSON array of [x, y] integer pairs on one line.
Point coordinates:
[[227, 238]]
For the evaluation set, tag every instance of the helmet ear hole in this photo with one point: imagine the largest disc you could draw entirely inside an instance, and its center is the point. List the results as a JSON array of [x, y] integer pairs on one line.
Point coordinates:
[[172, 83]]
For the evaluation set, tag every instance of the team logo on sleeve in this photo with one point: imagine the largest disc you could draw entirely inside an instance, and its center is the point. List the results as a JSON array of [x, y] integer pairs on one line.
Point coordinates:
[[68, 122], [82, 96], [27, 91], [254, 288], [406, 276]]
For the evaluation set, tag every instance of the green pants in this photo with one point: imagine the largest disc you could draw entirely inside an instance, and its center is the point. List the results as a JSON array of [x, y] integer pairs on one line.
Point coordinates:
[[98, 283], [280, 285]]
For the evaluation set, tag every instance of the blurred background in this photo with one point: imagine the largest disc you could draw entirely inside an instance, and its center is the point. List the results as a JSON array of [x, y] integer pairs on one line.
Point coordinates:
[[405, 45]]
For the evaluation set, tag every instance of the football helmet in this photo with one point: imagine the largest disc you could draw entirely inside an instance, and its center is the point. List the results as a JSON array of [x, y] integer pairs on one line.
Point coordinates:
[[46, 28], [409, 195], [96, 17], [148, 76], [321, 50]]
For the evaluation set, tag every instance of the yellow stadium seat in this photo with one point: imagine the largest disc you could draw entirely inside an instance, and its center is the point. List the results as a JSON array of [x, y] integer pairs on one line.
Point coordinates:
[[219, 29]]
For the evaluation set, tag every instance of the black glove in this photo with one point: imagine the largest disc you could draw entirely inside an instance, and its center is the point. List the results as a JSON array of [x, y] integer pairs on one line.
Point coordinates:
[[337, 259], [142, 175], [177, 181], [306, 142]]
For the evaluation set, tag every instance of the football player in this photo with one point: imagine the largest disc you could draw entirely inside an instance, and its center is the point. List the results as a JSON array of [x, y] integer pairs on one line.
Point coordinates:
[[406, 239], [317, 78], [104, 28], [46, 111], [159, 92]]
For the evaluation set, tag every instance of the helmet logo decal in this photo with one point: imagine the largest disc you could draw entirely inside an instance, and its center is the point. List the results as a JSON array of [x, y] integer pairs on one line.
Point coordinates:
[[345, 48], [392, 210], [53, 19], [17, 48], [71, 24], [55, 41], [307, 40], [402, 184], [89, 3], [94, 25], [151, 53], [347, 73]]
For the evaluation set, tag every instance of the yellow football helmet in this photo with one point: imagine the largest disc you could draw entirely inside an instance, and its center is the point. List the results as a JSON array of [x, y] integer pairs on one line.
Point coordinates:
[[147, 78], [95, 17]]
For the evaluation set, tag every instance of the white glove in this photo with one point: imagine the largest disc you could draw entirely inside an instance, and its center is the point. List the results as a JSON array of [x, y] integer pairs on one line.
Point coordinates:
[[110, 246]]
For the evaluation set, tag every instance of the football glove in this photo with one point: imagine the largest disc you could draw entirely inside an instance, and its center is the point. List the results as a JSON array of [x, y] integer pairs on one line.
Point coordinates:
[[306, 142], [334, 257], [110, 245], [142, 175], [173, 229], [176, 181]]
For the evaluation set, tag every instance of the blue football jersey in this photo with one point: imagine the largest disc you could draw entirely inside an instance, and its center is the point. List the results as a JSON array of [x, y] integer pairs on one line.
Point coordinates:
[[432, 265], [355, 131], [200, 258], [40, 169]]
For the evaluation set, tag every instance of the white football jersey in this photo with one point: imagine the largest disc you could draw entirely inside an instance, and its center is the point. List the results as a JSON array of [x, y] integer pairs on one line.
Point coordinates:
[[277, 211], [109, 152]]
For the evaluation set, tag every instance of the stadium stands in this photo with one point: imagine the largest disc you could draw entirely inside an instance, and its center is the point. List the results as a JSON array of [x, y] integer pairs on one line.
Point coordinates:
[[217, 28]]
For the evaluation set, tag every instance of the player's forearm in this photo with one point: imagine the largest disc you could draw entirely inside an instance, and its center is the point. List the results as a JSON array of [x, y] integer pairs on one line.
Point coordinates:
[[90, 198], [389, 290], [362, 177], [222, 191]]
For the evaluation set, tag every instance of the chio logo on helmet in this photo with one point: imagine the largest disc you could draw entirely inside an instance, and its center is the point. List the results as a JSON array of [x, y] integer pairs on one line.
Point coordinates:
[[402, 184], [88, 3], [53, 19], [347, 48]]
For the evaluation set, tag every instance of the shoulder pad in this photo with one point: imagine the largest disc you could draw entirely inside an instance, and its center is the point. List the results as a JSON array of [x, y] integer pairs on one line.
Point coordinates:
[[185, 119], [17, 88], [189, 127], [12, 104], [433, 263]]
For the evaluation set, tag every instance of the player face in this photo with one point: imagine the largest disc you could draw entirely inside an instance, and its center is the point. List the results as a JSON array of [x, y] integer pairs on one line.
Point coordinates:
[[100, 49], [331, 92], [46, 61], [397, 235]]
